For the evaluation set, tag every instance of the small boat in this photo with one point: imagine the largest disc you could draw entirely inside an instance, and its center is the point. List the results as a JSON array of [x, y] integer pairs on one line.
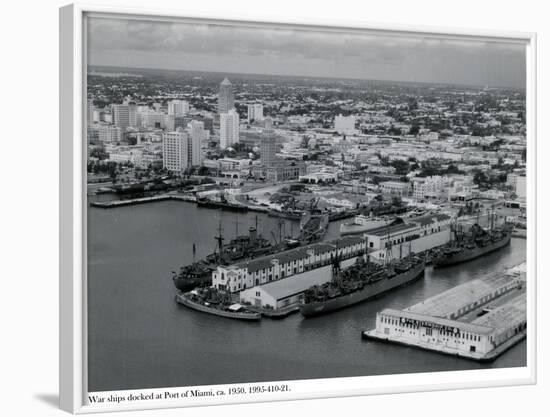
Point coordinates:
[[216, 302]]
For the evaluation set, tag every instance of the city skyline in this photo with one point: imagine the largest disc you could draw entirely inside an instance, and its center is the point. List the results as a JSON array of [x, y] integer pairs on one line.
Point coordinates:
[[304, 53]]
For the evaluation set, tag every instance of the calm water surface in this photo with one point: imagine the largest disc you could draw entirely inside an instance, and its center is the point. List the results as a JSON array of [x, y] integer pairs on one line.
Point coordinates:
[[139, 337]]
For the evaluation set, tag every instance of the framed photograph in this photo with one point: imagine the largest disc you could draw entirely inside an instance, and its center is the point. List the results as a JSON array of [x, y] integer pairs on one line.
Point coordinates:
[[262, 211]]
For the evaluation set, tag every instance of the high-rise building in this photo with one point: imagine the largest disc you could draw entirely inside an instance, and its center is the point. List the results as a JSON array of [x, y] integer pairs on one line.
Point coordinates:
[[178, 107], [124, 115], [197, 136], [175, 150], [226, 97], [255, 112], [268, 145], [229, 128]]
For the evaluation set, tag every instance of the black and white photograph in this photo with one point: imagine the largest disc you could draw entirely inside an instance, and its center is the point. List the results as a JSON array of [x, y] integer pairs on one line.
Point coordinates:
[[275, 209], [273, 204]]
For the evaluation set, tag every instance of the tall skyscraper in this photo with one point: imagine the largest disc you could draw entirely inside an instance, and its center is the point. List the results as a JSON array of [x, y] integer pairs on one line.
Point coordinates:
[[178, 107], [229, 128], [197, 136], [175, 150], [255, 112], [226, 97], [124, 115], [268, 145]]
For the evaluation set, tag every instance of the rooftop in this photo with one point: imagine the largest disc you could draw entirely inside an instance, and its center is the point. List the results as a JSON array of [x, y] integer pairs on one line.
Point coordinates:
[[293, 285], [509, 314], [452, 300], [387, 230], [290, 255]]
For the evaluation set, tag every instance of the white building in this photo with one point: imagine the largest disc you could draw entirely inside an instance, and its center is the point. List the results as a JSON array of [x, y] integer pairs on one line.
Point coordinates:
[[435, 186], [233, 164], [285, 293], [440, 323], [226, 97], [518, 183], [259, 271], [229, 128], [395, 187], [178, 107], [255, 112], [344, 124], [109, 133], [154, 119], [417, 235], [175, 150], [197, 136]]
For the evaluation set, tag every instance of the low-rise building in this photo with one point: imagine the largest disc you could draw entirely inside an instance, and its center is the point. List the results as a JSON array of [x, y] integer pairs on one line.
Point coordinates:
[[395, 187], [417, 235], [259, 271], [285, 293]]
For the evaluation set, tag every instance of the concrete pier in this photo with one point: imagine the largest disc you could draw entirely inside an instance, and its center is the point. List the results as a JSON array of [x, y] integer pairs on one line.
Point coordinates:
[[477, 320]]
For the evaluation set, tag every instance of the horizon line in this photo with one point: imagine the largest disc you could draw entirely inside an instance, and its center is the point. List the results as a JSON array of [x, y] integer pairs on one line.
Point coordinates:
[[312, 76]]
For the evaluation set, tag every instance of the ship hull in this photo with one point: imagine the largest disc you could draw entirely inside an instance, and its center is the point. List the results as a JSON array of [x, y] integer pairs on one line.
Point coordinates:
[[189, 283], [470, 254], [248, 316], [370, 291], [223, 206]]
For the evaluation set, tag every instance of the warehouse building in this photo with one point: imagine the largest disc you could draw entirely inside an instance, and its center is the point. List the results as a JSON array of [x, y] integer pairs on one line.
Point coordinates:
[[478, 320], [285, 293], [259, 271], [418, 234]]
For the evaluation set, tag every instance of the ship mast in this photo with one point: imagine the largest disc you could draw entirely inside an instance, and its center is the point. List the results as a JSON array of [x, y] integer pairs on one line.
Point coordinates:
[[336, 264], [366, 249], [220, 239], [389, 248]]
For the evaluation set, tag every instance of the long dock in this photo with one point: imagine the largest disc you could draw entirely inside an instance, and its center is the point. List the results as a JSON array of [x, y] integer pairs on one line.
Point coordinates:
[[141, 200]]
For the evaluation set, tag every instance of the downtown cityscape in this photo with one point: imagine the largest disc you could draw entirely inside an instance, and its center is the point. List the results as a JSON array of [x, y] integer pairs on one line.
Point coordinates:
[[253, 227]]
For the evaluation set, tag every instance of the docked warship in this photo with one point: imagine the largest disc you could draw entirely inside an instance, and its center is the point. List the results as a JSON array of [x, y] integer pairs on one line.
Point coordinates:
[[359, 282], [253, 245], [473, 244], [199, 273]]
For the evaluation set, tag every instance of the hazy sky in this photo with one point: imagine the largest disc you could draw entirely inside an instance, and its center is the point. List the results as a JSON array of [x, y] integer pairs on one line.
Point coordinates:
[[168, 45]]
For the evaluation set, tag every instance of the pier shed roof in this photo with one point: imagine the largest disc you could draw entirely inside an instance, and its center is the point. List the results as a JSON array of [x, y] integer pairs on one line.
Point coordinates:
[[263, 262], [389, 230], [507, 315], [296, 254], [452, 300], [293, 285]]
